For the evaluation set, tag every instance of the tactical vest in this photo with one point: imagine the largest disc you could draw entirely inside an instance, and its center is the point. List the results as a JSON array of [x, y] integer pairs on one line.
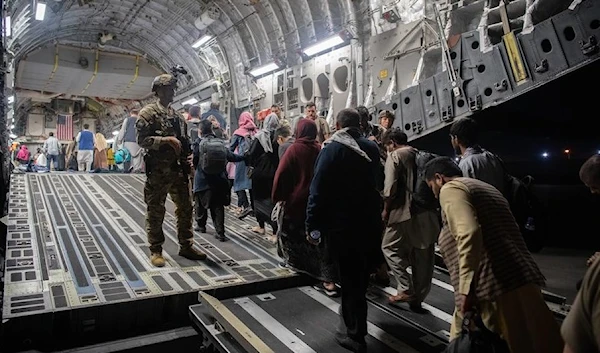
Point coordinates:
[[165, 124], [506, 264]]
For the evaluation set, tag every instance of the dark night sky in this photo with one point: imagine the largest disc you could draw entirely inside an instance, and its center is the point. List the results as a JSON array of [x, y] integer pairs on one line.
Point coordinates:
[[563, 114]]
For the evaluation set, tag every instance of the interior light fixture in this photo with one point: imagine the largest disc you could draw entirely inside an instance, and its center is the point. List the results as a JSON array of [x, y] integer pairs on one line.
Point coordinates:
[[323, 45], [190, 101], [11, 99], [40, 11], [7, 27], [264, 69], [205, 38]]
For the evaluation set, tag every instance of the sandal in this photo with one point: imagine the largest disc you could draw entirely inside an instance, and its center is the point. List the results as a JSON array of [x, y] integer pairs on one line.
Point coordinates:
[[401, 298], [258, 230], [332, 293]]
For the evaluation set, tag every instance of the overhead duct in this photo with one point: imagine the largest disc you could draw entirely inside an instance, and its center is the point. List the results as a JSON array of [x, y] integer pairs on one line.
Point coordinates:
[[37, 96], [207, 18], [62, 69]]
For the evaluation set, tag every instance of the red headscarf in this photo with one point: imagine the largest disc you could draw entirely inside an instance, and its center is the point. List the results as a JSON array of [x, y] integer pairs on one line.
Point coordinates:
[[246, 125], [295, 171], [306, 132]]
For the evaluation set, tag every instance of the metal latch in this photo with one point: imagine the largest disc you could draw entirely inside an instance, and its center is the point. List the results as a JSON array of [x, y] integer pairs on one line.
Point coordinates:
[[590, 47]]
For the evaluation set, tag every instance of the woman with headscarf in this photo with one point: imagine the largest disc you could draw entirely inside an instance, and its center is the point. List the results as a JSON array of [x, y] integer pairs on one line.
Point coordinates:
[[263, 159], [291, 186], [100, 156], [240, 144]]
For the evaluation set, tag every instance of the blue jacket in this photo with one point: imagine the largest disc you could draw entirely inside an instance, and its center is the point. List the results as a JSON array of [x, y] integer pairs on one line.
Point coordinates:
[[217, 115], [204, 182], [241, 180], [344, 193]]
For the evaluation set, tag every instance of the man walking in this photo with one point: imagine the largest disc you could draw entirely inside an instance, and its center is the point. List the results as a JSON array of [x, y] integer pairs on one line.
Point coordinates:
[[490, 267], [344, 208], [411, 231], [52, 149]]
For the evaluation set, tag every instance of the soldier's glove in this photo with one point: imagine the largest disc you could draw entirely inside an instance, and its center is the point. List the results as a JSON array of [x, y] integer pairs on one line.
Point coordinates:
[[174, 143]]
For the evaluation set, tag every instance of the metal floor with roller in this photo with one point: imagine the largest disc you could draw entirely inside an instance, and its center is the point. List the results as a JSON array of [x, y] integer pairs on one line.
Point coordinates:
[[77, 242], [78, 271]]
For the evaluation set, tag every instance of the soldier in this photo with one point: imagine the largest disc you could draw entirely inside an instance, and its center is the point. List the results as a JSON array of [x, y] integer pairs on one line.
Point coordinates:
[[163, 133]]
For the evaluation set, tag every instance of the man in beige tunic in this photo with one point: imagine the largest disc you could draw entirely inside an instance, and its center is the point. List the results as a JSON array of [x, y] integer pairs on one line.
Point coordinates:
[[581, 328], [491, 270], [409, 235]]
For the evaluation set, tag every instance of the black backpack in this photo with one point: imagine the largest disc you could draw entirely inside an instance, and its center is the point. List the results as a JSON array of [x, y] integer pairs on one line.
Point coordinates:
[[212, 156], [423, 198]]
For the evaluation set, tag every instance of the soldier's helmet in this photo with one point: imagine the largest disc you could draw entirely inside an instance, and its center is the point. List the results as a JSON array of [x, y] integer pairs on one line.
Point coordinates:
[[163, 80]]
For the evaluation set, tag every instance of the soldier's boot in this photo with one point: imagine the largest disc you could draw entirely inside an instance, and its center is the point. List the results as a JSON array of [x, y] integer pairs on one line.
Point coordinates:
[[192, 254], [157, 259]]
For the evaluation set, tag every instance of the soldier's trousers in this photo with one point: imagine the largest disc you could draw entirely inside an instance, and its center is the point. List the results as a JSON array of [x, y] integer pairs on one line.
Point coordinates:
[[159, 183]]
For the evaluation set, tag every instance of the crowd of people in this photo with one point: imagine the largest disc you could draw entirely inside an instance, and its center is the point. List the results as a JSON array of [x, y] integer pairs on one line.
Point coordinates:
[[351, 204]]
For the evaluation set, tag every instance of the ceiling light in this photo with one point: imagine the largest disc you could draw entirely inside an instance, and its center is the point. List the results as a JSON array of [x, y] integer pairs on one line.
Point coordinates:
[[11, 99], [40, 11], [264, 69], [201, 41], [190, 101], [7, 26], [323, 45]]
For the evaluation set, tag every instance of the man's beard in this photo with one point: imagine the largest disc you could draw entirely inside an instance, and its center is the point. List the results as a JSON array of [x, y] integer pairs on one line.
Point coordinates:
[[457, 151]]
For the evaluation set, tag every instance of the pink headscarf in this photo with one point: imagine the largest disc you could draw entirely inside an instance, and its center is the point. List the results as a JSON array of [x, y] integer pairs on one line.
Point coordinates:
[[246, 125]]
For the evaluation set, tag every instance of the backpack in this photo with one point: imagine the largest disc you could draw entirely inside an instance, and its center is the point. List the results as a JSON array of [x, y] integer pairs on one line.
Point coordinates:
[[122, 155], [213, 156], [422, 196]]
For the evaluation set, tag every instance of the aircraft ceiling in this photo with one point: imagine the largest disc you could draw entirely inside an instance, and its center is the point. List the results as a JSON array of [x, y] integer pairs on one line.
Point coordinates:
[[248, 33]]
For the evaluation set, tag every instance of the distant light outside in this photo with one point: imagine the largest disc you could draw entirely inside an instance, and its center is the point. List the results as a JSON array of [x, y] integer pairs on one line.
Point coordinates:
[[323, 45], [7, 26], [40, 11], [264, 69], [201, 41], [190, 101], [567, 151], [545, 154], [115, 133]]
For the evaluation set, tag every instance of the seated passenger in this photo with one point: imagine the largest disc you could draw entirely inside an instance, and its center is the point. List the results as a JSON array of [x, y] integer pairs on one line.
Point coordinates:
[[581, 328], [211, 187], [491, 270]]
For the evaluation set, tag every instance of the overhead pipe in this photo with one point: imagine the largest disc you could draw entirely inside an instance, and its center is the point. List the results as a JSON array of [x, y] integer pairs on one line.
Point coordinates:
[[54, 69], [95, 72], [135, 75]]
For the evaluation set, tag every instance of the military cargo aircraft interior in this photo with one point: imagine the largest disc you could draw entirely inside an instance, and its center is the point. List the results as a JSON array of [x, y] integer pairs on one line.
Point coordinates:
[[231, 176]]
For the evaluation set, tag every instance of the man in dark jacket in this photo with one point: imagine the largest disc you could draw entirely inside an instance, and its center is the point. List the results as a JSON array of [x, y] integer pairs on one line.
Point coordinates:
[[344, 206], [211, 191], [214, 111]]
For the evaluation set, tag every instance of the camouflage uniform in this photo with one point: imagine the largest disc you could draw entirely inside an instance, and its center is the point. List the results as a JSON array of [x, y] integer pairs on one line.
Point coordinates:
[[166, 172]]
